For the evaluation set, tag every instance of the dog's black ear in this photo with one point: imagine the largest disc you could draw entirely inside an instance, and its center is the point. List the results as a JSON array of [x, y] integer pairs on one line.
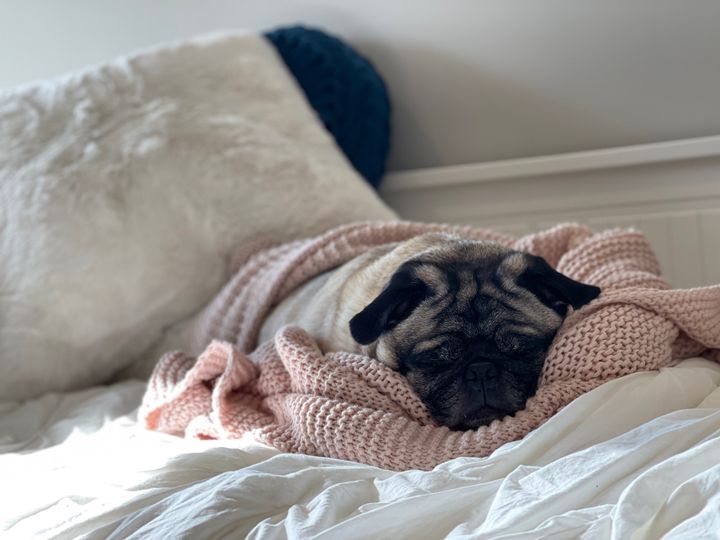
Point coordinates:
[[394, 304], [553, 288]]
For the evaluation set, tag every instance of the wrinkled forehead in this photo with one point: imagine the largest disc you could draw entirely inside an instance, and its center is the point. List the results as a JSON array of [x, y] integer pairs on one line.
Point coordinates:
[[476, 286], [455, 258]]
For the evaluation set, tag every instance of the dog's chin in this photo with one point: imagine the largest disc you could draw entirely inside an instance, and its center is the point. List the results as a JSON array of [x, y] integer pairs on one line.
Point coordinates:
[[467, 421], [480, 417]]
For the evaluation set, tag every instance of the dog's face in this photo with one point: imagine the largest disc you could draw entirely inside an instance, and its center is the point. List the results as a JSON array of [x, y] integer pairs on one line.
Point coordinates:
[[469, 324]]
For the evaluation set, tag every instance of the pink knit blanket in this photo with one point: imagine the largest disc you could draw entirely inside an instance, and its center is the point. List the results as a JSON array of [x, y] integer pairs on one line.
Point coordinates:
[[291, 396]]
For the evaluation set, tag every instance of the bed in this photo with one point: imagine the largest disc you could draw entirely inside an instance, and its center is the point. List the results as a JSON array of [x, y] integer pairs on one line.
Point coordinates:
[[636, 458], [633, 458]]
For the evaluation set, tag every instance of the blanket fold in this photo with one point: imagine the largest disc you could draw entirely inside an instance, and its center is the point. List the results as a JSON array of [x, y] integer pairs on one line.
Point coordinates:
[[288, 394]]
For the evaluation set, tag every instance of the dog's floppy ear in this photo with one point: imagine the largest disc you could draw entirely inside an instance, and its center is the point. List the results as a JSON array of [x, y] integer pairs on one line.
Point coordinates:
[[394, 304], [553, 288]]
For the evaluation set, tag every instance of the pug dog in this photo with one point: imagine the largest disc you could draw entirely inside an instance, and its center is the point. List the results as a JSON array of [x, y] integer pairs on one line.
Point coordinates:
[[469, 323]]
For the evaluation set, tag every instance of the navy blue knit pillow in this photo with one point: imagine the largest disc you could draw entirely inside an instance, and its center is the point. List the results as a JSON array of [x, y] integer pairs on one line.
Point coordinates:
[[345, 91]]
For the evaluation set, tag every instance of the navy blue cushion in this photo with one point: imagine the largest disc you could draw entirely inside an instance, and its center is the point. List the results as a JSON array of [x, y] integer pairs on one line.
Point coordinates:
[[345, 90]]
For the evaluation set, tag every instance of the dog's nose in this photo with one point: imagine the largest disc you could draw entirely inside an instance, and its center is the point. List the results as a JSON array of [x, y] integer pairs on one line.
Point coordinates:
[[480, 375]]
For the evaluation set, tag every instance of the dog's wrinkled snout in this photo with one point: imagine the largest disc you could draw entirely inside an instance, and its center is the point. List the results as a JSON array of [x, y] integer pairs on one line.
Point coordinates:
[[481, 376]]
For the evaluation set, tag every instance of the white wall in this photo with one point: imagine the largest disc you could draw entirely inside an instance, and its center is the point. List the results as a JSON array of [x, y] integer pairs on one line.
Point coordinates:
[[472, 80]]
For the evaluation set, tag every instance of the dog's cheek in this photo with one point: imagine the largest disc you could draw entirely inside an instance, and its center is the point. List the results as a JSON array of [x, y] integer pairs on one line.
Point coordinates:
[[429, 385], [448, 402], [513, 392], [385, 353]]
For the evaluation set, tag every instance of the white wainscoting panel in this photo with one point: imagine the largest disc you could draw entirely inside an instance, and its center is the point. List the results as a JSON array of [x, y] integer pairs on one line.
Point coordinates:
[[670, 191]]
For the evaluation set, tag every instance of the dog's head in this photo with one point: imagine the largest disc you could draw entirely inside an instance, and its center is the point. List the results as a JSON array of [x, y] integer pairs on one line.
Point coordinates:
[[469, 324]]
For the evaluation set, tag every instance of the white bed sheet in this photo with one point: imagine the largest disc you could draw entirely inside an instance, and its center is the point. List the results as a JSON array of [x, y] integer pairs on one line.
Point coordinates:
[[636, 458]]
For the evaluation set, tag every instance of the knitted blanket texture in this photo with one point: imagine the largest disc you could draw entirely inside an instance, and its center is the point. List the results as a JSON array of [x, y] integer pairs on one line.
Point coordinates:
[[290, 395]]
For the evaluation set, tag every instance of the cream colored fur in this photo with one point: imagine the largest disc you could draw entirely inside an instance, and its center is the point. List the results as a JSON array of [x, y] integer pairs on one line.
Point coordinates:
[[324, 306]]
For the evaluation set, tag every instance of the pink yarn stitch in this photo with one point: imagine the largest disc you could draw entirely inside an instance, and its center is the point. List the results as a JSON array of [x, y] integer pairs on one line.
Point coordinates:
[[288, 394]]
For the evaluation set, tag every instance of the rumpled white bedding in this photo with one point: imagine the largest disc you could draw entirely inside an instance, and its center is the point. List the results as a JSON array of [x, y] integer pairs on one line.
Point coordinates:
[[637, 458]]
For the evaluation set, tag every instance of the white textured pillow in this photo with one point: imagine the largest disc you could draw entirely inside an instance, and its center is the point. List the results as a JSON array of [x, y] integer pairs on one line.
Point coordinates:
[[124, 188]]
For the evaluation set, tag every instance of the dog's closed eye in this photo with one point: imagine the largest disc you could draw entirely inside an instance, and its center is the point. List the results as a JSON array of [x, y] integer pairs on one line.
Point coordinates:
[[427, 360], [519, 339], [437, 356]]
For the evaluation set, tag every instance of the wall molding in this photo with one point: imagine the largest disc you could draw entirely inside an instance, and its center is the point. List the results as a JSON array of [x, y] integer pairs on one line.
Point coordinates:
[[573, 162], [670, 190]]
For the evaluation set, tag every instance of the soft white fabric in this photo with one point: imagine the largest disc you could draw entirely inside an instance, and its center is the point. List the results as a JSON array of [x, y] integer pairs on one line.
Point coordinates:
[[636, 458], [123, 189]]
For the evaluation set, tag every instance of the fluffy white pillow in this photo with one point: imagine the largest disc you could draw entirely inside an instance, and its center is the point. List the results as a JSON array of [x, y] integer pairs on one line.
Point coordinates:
[[124, 188]]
